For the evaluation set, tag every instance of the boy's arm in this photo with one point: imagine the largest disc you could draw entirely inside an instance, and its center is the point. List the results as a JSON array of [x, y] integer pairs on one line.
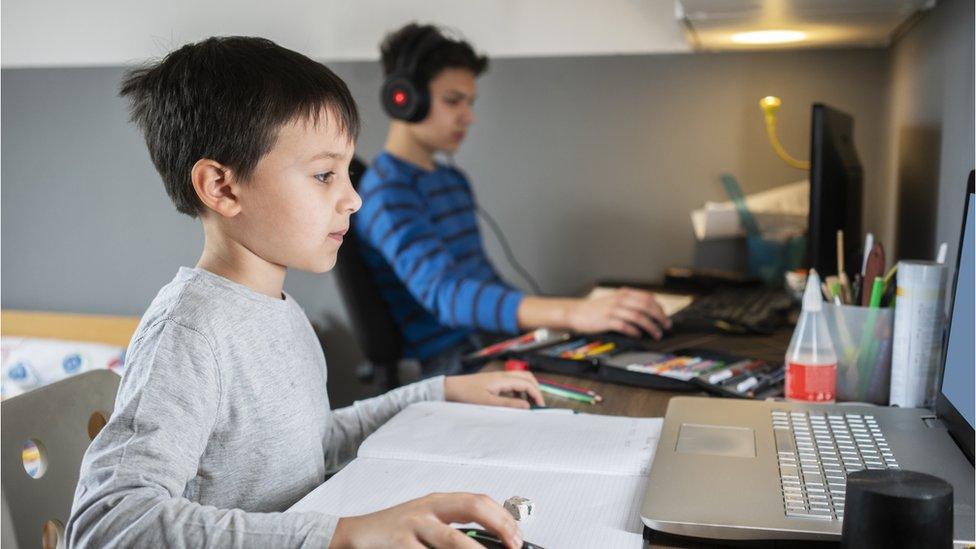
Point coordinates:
[[393, 222], [135, 473], [349, 426]]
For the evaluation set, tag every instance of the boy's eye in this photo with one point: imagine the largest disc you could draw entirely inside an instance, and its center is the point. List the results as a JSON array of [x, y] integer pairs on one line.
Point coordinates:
[[325, 177]]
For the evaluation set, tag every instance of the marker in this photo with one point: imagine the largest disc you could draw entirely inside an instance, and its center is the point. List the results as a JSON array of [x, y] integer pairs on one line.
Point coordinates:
[[556, 350], [605, 348], [768, 380], [503, 345], [749, 383], [581, 351], [734, 369], [877, 290], [735, 380]]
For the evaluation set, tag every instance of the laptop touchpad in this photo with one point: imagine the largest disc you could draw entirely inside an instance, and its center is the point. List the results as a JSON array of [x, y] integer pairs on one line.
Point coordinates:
[[716, 440]]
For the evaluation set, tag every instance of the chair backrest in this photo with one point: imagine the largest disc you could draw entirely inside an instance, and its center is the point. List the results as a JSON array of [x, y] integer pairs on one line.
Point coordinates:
[[43, 435], [373, 324]]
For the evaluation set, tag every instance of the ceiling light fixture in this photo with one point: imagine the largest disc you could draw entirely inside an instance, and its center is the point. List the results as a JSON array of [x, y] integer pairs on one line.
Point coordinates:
[[768, 37]]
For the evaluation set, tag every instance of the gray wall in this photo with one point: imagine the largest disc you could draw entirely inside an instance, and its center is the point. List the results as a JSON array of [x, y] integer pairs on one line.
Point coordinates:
[[591, 165], [929, 148]]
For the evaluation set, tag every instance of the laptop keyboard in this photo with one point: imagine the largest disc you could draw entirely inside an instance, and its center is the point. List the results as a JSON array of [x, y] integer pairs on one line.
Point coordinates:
[[816, 452]]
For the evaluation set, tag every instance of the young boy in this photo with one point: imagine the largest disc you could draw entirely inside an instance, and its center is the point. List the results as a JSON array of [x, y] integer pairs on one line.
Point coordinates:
[[420, 234], [222, 420]]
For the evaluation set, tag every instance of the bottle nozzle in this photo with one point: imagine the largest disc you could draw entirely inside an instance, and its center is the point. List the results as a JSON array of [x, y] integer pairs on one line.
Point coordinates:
[[812, 300]]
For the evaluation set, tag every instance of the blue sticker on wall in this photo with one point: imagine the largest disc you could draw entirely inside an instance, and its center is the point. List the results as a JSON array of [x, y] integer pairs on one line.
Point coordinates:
[[18, 372], [71, 363]]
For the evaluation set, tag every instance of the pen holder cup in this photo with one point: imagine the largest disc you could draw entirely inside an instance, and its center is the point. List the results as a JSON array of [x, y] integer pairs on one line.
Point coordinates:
[[771, 255], [862, 339]]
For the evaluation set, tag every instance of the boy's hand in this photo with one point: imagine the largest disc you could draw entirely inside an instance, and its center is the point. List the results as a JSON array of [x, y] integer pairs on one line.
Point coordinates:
[[624, 310], [487, 388], [424, 522]]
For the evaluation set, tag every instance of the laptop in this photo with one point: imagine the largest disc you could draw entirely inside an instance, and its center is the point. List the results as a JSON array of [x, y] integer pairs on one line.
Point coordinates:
[[766, 470]]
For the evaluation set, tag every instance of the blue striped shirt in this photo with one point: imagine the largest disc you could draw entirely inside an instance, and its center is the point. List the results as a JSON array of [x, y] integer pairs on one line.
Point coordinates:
[[421, 241]]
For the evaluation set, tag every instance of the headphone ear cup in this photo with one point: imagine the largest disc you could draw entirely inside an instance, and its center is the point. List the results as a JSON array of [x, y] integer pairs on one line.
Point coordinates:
[[403, 99]]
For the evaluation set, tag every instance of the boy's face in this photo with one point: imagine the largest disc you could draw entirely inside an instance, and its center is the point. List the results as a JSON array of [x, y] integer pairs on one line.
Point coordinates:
[[452, 95], [296, 206]]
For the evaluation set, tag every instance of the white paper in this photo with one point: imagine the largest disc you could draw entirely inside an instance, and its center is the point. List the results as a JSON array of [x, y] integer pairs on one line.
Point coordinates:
[[446, 432], [781, 209], [578, 510]]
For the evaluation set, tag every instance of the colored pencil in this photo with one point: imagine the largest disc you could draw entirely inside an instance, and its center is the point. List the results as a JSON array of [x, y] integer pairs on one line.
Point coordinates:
[[568, 387], [572, 395]]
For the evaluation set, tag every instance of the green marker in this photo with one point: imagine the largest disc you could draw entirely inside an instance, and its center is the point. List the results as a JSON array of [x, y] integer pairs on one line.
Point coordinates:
[[877, 292]]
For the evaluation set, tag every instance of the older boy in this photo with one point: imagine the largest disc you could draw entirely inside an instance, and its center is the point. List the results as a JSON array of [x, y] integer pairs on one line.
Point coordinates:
[[419, 228], [222, 420]]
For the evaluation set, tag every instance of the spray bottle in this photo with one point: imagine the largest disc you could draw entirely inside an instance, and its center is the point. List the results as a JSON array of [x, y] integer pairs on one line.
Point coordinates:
[[811, 364]]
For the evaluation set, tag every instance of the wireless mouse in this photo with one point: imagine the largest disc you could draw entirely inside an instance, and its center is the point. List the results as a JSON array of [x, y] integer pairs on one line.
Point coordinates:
[[491, 541]]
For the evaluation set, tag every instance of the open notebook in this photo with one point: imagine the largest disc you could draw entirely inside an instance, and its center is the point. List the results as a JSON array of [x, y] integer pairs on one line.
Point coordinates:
[[585, 473]]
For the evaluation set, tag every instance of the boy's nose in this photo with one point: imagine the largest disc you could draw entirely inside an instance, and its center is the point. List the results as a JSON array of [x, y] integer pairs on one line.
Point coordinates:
[[354, 201]]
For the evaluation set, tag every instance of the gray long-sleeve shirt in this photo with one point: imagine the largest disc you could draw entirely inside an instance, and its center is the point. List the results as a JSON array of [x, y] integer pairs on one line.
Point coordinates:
[[221, 422]]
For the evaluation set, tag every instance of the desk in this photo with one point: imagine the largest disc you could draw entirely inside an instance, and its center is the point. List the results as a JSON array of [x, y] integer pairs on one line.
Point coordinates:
[[623, 400]]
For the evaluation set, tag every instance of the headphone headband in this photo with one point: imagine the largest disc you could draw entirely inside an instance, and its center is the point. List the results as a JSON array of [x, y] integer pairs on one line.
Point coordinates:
[[409, 59]]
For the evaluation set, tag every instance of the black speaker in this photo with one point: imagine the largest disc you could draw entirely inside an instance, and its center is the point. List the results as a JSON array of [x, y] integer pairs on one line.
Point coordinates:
[[404, 94], [895, 508]]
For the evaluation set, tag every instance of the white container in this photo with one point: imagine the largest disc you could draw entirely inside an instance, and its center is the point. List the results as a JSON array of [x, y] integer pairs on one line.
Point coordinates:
[[919, 324]]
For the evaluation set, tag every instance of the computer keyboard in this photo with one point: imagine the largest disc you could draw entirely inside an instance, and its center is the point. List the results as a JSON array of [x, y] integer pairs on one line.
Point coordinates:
[[816, 451], [740, 310]]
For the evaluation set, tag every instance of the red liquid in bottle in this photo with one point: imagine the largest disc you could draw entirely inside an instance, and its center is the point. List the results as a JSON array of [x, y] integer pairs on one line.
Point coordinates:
[[811, 382]]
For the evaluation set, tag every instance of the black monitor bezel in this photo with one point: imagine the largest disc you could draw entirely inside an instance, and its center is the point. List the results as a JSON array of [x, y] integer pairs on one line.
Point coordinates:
[[958, 427]]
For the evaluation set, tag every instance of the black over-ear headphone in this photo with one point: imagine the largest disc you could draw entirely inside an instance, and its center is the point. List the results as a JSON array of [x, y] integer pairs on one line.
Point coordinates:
[[405, 95]]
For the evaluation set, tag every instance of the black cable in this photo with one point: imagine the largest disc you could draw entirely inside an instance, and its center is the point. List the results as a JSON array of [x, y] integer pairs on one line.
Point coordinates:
[[508, 251], [500, 236]]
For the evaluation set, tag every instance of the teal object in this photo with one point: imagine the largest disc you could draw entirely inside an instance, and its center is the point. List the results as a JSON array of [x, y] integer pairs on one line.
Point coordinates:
[[769, 256], [735, 193]]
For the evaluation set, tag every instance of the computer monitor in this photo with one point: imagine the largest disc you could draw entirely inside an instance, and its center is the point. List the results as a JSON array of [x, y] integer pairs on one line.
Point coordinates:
[[956, 402], [835, 191]]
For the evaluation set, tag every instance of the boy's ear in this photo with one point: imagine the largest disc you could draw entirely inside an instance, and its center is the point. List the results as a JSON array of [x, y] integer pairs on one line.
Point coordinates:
[[216, 187]]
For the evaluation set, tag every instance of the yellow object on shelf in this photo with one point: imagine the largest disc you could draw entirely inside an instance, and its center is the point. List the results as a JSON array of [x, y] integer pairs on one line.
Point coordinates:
[[769, 105]]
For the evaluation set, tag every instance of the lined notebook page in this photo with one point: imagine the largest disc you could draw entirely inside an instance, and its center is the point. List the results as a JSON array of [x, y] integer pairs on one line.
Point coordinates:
[[579, 510], [448, 432]]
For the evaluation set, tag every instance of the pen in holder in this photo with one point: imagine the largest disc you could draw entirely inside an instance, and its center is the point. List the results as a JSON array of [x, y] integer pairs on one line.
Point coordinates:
[[862, 338]]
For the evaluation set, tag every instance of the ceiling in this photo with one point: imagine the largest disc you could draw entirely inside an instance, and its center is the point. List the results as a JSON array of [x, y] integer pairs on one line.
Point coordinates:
[[724, 24], [114, 32]]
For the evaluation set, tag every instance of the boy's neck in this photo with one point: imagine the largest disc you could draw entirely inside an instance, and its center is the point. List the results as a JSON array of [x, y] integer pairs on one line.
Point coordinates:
[[401, 142], [230, 259]]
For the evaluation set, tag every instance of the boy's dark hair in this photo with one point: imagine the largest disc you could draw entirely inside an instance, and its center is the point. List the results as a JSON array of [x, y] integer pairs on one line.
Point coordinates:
[[448, 53], [225, 98]]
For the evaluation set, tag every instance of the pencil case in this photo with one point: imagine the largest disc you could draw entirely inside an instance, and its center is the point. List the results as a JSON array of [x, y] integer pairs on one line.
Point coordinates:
[[768, 377], [610, 366]]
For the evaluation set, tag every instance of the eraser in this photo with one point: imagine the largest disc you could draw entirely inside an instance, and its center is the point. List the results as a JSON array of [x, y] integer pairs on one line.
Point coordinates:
[[520, 508]]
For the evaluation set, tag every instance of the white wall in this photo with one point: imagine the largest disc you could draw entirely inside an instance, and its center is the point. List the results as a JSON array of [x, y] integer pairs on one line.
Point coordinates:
[[120, 32], [929, 133]]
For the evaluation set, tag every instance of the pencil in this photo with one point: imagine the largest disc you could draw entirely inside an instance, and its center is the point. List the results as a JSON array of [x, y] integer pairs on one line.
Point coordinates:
[[568, 387], [572, 395]]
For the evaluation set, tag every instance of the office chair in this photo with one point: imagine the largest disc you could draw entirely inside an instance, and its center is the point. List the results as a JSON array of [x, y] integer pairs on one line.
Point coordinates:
[[39, 479], [376, 332]]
